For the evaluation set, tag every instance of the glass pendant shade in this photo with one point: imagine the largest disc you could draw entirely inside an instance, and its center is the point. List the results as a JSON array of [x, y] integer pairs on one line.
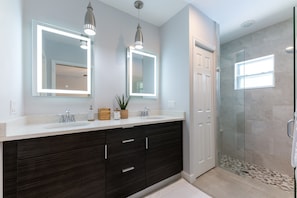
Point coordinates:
[[138, 38], [90, 23]]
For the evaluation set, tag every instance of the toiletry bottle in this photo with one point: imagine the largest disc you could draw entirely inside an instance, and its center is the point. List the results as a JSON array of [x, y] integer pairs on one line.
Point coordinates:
[[116, 114], [91, 114]]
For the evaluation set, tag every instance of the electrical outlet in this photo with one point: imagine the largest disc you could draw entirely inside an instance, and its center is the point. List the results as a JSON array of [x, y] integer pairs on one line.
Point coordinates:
[[12, 107]]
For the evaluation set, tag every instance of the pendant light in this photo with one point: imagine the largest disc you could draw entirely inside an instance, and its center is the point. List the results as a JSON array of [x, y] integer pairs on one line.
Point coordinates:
[[138, 36], [90, 23]]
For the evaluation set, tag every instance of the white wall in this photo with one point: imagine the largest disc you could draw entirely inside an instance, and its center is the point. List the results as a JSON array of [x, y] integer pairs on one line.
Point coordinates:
[[115, 32], [175, 70], [177, 38], [203, 29], [11, 76]]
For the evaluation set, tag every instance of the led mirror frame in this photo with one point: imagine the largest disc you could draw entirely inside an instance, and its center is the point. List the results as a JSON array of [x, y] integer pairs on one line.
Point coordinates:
[[132, 50], [39, 29]]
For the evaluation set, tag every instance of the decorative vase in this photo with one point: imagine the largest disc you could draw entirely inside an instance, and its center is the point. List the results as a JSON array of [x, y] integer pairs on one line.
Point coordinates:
[[124, 114]]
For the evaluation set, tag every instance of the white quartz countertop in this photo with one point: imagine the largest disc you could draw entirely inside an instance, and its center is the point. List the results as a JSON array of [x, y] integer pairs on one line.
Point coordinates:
[[11, 131]]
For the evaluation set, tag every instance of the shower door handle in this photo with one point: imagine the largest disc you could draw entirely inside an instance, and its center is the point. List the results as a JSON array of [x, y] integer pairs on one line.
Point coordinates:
[[289, 128]]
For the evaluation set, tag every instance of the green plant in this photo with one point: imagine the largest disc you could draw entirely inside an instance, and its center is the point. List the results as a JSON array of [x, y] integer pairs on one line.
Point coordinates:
[[122, 101]]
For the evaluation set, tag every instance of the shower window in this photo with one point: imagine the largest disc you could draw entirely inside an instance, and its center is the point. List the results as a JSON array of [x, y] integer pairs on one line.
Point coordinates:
[[254, 73]]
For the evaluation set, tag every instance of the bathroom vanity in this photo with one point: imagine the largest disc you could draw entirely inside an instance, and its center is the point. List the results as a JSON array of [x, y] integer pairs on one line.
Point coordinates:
[[115, 160]]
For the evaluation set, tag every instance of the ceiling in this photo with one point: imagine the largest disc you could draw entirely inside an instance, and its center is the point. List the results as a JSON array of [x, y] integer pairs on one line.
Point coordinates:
[[230, 14]]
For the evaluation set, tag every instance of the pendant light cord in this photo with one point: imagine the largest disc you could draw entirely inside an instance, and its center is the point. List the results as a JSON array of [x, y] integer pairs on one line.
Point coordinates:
[[138, 5], [138, 16]]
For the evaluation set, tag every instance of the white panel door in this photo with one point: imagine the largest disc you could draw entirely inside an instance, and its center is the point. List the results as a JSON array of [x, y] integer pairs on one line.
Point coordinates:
[[203, 125]]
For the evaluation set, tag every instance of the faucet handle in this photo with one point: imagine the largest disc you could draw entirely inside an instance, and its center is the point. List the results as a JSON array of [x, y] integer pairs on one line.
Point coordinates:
[[72, 118], [142, 113]]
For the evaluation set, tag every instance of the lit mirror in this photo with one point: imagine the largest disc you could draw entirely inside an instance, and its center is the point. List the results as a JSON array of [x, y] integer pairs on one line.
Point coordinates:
[[61, 62], [141, 73]]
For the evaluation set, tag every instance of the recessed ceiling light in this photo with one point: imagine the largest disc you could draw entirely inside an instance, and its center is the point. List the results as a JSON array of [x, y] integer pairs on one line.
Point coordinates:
[[248, 23]]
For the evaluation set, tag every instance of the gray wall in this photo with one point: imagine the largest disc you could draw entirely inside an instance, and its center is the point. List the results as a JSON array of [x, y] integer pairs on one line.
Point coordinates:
[[115, 32], [254, 121], [178, 37], [11, 75], [175, 71]]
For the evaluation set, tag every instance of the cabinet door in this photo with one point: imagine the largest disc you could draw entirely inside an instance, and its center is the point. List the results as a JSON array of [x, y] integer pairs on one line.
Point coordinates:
[[164, 151], [125, 166], [10, 169], [60, 166]]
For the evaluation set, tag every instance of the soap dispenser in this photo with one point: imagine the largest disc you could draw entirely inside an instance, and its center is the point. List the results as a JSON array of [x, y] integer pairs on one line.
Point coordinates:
[[91, 114]]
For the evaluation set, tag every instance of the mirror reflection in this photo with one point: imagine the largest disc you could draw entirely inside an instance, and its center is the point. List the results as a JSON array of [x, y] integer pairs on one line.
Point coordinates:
[[141, 73], [61, 62]]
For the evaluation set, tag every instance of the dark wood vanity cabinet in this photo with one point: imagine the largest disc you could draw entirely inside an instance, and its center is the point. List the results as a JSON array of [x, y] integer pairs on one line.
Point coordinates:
[[58, 166], [163, 151], [125, 164], [109, 163], [139, 157]]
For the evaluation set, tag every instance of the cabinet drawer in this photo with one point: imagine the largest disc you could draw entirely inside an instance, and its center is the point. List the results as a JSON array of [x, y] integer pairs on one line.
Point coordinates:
[[61, 143], [124, 141], [170, 127], [125, 175]]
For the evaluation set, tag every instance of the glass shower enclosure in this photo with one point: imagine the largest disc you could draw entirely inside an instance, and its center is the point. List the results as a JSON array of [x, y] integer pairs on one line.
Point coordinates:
[[231, 123], [255, 105]]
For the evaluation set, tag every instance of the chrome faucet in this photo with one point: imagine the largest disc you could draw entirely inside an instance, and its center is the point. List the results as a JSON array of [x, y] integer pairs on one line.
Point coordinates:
[[67, 117], [145, 112]]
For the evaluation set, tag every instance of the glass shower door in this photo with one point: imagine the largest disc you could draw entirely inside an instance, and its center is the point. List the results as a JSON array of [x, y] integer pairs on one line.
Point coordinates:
[[231, 124]]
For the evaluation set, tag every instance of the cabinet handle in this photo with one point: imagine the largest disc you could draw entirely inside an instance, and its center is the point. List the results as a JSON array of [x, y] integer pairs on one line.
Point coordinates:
[[127, 141], [128, 169], [105, 151], [146, 143]]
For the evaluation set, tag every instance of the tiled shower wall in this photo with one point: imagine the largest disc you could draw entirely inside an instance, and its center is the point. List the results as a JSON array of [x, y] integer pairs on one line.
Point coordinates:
[[253, 121]]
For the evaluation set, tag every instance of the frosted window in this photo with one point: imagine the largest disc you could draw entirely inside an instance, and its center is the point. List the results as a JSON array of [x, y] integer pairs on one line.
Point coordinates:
[[255, 73]]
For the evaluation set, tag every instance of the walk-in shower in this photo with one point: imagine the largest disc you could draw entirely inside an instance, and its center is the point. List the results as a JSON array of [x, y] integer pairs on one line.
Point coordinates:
[[255, 102]]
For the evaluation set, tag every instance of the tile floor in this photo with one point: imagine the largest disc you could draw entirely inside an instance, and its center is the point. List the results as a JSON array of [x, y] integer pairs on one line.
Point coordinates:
[[179, 189], [267, 176], [220, 183]]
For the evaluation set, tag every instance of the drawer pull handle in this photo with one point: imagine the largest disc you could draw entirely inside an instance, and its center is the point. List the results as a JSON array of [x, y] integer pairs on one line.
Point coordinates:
[[146, 143], [128, 169], [127, 141], [105, 152]]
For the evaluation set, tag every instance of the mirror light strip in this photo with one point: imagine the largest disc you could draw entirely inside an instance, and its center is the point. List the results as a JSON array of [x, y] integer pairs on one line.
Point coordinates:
[[40, 29], [132, 50]]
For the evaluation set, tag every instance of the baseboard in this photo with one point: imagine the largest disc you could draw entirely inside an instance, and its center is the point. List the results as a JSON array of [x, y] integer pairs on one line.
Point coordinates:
[[190, 178]]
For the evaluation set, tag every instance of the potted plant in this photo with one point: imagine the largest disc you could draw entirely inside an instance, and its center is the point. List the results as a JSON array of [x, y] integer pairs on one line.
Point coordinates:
[[123, 103]]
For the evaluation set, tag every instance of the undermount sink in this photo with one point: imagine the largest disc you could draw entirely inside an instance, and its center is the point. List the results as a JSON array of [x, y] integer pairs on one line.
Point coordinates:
[[154, 117], [67, 124]]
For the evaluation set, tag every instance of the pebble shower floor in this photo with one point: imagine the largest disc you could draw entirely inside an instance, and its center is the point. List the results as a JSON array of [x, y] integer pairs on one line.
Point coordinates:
[[265, 175]]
